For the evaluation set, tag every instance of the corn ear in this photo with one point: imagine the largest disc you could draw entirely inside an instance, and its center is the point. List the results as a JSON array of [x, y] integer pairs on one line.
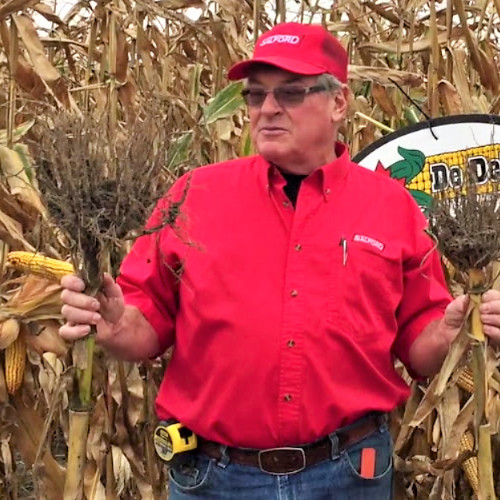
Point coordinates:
[[39, 265], [15, 363], [466, 380], [4, 397], [9, 331], [470, 466]]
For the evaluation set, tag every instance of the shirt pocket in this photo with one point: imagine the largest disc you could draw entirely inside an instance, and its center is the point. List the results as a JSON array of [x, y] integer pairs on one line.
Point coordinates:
[[366, 291]]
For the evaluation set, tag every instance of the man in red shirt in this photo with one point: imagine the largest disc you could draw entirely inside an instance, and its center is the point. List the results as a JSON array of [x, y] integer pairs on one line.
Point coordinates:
[[291, 282]]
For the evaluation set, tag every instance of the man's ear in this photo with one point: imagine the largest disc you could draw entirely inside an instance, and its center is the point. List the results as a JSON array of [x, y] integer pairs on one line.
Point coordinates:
[[340, 103]]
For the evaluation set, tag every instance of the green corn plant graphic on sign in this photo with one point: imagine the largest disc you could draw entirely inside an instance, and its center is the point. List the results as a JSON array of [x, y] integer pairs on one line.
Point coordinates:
[[405, 170]]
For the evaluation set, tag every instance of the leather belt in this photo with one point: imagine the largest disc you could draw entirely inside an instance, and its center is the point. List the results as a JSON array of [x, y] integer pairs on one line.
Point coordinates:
[[291, 459]]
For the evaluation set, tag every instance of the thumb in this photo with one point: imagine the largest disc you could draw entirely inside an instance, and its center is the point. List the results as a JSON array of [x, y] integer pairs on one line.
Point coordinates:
[[455, 311], [110, 289], [111, 300]]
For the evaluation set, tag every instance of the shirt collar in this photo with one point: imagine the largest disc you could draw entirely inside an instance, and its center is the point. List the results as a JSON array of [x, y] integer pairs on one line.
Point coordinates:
[[329, 175], [334, 173]]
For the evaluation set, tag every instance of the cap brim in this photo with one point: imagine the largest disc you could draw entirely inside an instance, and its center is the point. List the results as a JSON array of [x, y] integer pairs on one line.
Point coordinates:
[[242, 69]]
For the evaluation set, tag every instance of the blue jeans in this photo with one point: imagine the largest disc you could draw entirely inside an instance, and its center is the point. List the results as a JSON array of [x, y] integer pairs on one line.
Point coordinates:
[[338, 478]]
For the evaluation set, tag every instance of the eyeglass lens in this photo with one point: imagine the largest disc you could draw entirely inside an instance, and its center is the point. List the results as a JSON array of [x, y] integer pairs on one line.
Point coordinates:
[[288, 95]]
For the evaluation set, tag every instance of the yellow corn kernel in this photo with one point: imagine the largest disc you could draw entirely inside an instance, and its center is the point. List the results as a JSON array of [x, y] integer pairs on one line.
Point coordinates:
[[466, 380], [40, 265], [470, 466], [15, 363], [4, 397]]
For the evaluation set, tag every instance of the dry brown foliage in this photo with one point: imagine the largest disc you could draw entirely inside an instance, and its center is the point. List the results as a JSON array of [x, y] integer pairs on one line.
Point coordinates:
[[100, 189], [109, 58], [467, 226]]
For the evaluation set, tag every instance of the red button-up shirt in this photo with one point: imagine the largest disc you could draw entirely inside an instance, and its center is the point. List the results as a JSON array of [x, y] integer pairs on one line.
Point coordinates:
[[285, 321]]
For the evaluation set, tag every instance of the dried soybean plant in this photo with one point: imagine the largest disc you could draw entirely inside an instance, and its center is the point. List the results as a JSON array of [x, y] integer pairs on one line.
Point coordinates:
[[466, 222], [99, 189], [99, 186]]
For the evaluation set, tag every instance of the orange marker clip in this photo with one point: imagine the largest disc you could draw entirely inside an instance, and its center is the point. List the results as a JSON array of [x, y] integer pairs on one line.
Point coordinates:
[[368, 463]]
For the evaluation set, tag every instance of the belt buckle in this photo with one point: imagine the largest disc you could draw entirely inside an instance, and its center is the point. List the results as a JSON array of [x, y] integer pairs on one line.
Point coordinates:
[[281, 461]]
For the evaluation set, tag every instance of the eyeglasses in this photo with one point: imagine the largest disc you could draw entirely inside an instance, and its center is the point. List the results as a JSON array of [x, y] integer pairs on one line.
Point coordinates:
[[286, 95]]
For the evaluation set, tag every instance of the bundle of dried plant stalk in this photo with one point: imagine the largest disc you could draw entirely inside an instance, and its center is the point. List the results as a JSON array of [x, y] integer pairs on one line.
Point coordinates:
[[99, 188], [466, 223]]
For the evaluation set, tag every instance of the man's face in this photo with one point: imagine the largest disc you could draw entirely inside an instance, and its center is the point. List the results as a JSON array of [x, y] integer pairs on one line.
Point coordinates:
[[296, 137]]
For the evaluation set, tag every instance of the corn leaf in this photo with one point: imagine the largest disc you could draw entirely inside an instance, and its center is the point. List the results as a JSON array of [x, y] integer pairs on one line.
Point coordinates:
[[224, 104], [178, 153], [18, 132]]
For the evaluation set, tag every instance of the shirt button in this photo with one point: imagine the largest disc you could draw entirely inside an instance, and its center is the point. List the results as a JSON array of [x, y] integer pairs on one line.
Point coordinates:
[[290, 343], [286, 203], [294, 293], [287, 397], [298, 247], [327, 191]]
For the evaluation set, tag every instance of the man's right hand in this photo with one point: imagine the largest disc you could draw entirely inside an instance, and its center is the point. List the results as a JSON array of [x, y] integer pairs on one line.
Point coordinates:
[[81, 311]]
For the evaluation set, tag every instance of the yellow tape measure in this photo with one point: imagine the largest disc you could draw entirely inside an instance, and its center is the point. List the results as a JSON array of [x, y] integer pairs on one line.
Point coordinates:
[[171, 439]]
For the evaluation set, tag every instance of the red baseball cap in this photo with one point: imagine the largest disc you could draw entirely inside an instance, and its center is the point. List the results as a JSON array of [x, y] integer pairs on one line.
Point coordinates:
[[305, 49]]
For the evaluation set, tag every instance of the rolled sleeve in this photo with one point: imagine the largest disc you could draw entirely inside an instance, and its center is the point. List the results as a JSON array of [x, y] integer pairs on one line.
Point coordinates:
[[147, 286], [149, 273], [425, 294]]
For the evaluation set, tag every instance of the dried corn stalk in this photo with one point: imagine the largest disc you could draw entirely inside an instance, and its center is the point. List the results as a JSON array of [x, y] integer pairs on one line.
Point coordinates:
[[97, 208], [466, 223], [158, 48]]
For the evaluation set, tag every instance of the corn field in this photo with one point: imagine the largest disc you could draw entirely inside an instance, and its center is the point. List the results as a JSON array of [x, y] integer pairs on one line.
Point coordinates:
[[409, 60]]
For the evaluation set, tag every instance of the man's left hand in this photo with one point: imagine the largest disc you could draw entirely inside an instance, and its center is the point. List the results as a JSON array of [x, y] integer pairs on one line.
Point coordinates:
[[437, 337], [490, 315]]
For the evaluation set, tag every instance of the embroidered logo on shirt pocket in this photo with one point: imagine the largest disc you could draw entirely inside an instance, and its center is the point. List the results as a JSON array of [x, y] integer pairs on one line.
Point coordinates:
[[361, 238]]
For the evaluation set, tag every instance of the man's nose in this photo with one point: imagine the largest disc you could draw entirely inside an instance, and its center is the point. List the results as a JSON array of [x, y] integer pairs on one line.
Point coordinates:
[[270, 104]]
